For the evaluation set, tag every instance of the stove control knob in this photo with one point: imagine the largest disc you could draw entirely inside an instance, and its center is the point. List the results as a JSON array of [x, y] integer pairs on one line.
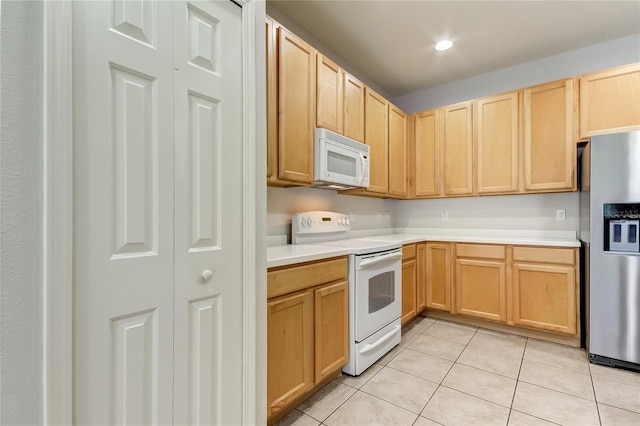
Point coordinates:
[[346, 221], [308, 219]]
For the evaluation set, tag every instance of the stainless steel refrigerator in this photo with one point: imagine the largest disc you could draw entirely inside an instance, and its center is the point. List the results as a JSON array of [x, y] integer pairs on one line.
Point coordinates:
[[609, 227]]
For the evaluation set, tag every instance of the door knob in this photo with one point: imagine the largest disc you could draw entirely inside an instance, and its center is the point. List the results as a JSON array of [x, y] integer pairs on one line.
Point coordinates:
[[206, 275]]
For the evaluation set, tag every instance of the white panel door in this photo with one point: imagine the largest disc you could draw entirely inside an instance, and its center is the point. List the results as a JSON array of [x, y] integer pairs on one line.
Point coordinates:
[[158, 224], [123, 189], [208, 212]]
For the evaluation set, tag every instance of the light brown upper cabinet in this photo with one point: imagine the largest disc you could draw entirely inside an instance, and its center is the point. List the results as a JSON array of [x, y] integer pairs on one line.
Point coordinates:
[[329, 99], [296, 107], [495, 135], [353, 115], [377, 137], [398, 184], [548, 143], [428, 158], [610, 101], [272, 99], [458, 149]]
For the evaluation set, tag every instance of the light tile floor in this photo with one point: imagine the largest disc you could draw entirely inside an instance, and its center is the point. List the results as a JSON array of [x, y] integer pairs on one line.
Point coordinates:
[[451, 374]]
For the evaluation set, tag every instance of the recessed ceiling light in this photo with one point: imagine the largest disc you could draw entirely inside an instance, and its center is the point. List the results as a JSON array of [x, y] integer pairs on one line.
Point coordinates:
[[444, 45]]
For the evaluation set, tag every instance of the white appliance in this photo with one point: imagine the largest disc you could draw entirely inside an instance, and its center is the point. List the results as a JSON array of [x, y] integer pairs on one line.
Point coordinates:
[[375, 285], [339, 162]]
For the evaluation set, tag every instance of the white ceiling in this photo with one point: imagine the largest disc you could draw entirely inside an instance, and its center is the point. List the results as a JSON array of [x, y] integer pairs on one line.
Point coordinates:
[[391, 42]]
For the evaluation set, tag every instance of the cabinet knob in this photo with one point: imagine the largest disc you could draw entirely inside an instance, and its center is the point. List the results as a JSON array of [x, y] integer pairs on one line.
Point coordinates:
[[206, 275]]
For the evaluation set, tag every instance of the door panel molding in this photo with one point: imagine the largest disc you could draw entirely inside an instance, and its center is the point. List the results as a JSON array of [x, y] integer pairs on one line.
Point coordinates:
[[57, 248]]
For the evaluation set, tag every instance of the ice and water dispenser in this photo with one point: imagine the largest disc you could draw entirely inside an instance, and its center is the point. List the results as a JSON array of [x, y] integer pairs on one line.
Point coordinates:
[[621, 227]]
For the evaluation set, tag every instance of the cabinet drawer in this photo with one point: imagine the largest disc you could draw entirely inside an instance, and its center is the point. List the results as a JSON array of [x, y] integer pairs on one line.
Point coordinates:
[[408, 252], [289, 279], [544, 255], [481, 251]]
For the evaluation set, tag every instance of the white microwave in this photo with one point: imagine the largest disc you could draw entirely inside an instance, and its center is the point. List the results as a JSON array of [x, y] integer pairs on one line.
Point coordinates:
[[339, 162]]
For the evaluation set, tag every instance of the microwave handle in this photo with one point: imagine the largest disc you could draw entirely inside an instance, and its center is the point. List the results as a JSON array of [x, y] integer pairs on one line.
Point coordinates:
[[362, 166]]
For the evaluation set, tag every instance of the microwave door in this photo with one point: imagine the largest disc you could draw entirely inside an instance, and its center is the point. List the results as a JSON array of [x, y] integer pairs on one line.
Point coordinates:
[[340, 165]]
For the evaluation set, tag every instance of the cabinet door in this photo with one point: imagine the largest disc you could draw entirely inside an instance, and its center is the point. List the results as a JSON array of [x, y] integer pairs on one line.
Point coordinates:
[[332, 329], [329, 94], [548, 142], [408, 291], [353, 107], [272, 98], [421, 277], [544, 297], [496, 139], [481, 289], [398, 183], [458, 149], [428, 154], [610, 101], [438, 279], [377, 137], [296, 113], [289, 349]]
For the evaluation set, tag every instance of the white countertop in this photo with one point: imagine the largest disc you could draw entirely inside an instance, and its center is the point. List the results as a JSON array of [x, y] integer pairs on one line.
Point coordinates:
[[531, 238], [282, 255], [290, 254]]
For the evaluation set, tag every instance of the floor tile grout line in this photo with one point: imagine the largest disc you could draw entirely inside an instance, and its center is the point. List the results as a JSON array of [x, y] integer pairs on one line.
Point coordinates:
[[559, 391], [515, 389], [477, 397], [531, 415], [595, 395], [389, 402], [618, 408], [447, 373]]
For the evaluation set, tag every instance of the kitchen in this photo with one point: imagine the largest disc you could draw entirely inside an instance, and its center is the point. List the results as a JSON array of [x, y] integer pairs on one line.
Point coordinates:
[[553, 213], [41, 70]]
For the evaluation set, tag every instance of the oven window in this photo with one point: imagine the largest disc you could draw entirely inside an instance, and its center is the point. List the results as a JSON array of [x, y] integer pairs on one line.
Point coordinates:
[[381, 291]]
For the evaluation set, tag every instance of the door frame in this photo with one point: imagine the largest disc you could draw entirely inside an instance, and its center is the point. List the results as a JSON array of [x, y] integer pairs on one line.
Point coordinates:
[[57, 244]]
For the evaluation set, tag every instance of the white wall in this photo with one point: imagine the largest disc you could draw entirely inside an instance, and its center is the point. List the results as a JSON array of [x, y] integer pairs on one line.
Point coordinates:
[[530, 212], [283, 202], [21, 133], [596, 57]]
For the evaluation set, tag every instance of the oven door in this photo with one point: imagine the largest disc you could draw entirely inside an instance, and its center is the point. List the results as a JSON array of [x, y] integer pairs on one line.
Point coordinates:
[[378, 288]]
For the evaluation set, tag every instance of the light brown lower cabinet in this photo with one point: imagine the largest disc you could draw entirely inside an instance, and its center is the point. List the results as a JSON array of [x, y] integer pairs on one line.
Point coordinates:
[[331, 328], [409, 310], [421, 277], [289, 349], [481, 281], [307, 331], [545, 289], [438, 276]]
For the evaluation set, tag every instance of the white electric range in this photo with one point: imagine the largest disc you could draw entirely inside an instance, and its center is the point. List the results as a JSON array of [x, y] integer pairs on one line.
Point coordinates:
[[375, 285]]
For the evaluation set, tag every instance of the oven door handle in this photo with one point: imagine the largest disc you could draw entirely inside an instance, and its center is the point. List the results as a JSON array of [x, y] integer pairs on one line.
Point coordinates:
[[384, 258], [382, 341]]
